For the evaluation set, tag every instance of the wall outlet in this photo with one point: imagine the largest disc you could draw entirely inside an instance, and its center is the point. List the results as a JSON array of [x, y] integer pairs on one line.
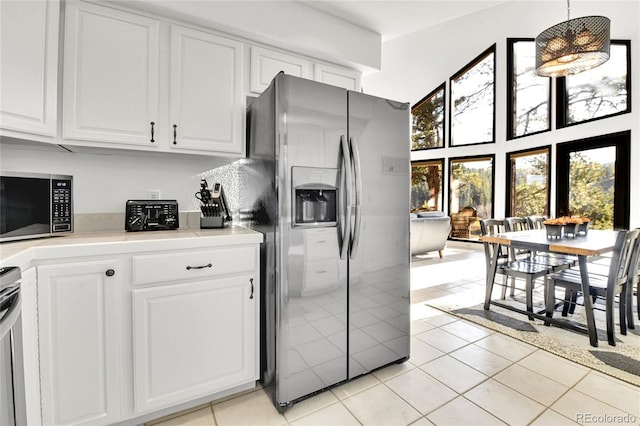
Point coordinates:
[[153, 194]]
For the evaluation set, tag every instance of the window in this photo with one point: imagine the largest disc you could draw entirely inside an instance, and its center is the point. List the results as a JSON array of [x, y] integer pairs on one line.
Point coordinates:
[[528, 182], [426, 185], [472, 108], [599, 92], [529, 95], [427, 121], [593, 179], [471, 183]]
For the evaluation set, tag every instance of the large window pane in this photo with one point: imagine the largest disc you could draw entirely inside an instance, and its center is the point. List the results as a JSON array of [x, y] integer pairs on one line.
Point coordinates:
[[591, 185], [528, 178], [473, 101], [470, 194], [530, 94], [428, 121], [426, 185], [599, 92], [593, 179]]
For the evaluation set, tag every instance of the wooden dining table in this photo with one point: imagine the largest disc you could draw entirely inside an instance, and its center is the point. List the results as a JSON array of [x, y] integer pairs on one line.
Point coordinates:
[[595, 242]]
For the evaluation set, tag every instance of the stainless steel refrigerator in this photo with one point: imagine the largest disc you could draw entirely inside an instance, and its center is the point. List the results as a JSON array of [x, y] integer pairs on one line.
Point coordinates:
[[326, 180]]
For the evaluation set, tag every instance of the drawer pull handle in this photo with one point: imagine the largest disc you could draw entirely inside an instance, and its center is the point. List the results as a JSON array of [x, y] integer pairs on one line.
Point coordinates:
[[152, 131], [208, 265], [251, 281], [175, 133], [110, 272]]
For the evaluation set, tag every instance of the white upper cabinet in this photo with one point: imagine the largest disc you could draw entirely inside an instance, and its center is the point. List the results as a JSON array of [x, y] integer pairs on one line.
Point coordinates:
[[265, 64], [341, 77], [206, 107], [110, 88], [29, 58]]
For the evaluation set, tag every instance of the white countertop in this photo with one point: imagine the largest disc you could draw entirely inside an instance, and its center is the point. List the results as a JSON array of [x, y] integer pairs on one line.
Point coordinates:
[[22, 253]]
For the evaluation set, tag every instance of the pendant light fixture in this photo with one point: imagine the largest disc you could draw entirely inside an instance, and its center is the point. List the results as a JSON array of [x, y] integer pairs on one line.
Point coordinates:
[[573, 46]]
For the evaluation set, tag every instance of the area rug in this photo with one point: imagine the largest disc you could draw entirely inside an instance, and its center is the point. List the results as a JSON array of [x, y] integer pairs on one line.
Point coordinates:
[[621, 361]]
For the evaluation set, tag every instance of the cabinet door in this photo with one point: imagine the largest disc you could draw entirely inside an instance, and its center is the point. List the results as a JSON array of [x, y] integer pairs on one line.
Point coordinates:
[[29, 313], [79, 367], [29, 58], [265, 64], [206, 107], [110, 90], [341, 77], [193, 339]]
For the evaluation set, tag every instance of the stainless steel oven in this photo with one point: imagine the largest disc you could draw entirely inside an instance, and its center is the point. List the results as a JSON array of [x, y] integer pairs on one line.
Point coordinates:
[[12, 394]]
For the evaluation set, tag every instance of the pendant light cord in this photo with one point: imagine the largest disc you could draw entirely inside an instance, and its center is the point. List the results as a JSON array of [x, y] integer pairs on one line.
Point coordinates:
[[568, 11]]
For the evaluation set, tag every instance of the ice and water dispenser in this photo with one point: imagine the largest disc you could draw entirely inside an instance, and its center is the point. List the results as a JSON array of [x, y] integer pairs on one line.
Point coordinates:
[[315, 197]]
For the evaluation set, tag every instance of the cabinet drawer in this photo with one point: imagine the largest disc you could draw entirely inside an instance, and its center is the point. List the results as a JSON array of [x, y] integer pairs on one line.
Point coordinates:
[[205, 263]]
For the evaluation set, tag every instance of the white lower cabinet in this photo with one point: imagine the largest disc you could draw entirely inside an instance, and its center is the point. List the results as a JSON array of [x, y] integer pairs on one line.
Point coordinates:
[[29, 314], [124, 337], [79, 342], [193, 339]]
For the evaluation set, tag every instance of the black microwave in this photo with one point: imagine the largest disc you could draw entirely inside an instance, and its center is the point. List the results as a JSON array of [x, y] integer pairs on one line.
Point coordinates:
[[35, 205]]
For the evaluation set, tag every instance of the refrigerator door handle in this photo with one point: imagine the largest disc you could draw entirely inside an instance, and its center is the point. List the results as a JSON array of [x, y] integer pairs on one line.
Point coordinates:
[[346, 167], [355, 239]]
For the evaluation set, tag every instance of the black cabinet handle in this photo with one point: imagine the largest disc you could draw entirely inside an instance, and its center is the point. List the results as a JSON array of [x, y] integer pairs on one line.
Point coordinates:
[[251, 281], [152, 131], [110, 272], [175, 133], [208, 265]]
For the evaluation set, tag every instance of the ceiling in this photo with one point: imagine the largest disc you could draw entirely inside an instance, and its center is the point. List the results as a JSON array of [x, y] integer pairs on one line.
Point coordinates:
[[396, 18]]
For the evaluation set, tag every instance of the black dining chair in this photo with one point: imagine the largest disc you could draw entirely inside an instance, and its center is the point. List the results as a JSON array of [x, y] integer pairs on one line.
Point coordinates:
[[633, 282], [536, 221], [509, 267], [600, 287]]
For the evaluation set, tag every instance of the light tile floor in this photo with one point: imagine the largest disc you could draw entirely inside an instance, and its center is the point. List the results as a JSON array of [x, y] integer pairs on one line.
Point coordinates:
[[458, 374]]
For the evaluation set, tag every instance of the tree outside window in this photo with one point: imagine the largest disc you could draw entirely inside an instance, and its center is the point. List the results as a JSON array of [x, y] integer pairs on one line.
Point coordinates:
[[471, 183], [426, 185], [529, 94], [428, 121], [599, 92], [591, 185], [528, 180], [472, 106]]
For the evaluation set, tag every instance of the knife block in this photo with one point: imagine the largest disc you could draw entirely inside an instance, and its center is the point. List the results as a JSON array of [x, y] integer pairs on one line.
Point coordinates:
[[217, 221]]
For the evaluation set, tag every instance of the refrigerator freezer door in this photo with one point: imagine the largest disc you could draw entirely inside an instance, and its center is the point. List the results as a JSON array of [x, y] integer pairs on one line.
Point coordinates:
[[311, 301], [379, 269]]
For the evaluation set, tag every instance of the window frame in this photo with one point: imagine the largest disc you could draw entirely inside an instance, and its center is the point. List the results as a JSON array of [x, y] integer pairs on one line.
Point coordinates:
[[509, 177], [433, 162], [467, 68], [622, 193], [421, 102], [512, 92], [562, 95], [480, 157]]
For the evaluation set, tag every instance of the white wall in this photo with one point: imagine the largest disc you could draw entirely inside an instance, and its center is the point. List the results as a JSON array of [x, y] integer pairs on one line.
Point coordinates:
[[104, 182], [416, 64]]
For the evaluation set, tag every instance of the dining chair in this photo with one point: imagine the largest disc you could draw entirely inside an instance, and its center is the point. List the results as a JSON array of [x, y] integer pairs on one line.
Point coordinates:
[[633, 282], [536, 221], [508, 267], [603, 287], [556, 261]]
